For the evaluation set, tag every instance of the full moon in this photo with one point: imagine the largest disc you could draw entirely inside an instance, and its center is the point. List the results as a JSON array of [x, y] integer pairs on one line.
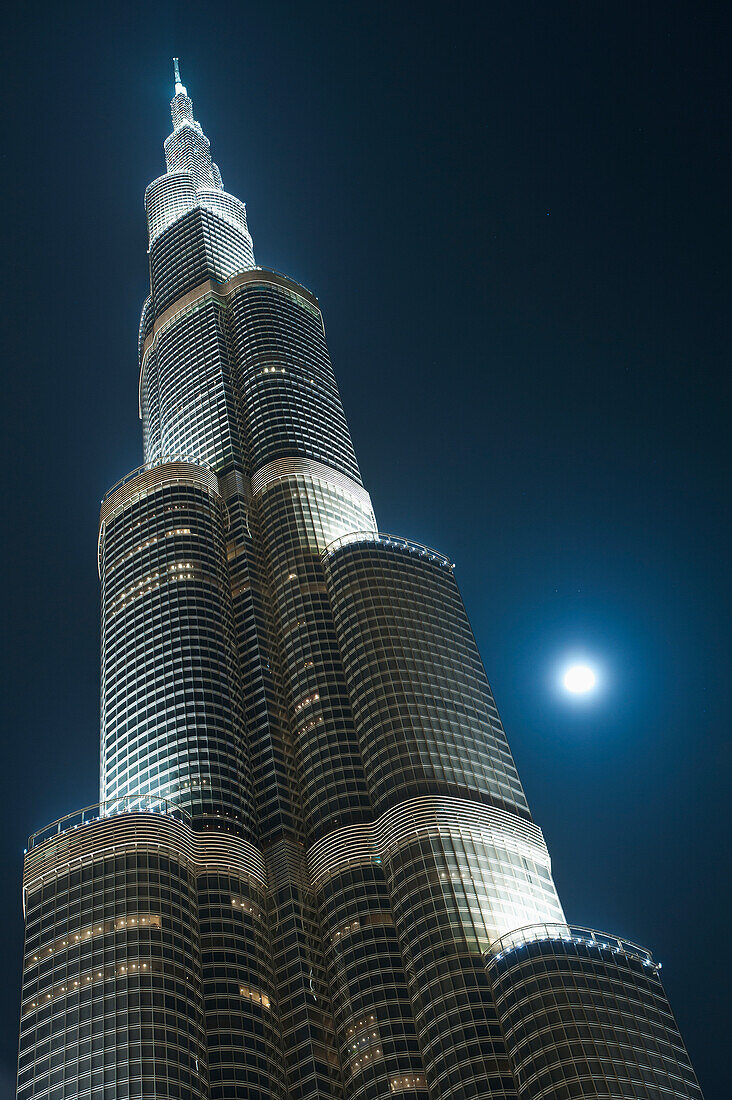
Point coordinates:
[[579, 679]]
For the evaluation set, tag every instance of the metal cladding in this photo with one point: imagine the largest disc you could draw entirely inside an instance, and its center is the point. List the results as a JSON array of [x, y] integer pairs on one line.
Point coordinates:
[[313, 865]]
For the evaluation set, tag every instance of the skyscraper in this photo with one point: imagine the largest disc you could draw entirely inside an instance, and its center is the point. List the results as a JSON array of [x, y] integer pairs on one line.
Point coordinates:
[[312, 871]]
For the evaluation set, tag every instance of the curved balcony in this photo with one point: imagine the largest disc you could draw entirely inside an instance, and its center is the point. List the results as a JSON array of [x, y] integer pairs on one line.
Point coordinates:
[[395, 541], [567, 933], [128, 805], [148, 466]]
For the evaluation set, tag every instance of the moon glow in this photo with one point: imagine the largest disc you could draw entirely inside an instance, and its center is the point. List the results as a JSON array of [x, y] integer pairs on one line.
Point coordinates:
[[579, 679]]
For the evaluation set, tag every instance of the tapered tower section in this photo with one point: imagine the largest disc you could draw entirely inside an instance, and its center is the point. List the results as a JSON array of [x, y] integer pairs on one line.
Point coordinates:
[[313, 872]]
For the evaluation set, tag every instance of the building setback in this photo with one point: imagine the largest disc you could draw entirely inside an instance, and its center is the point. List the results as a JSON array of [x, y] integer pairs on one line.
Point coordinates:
[[312, 872]]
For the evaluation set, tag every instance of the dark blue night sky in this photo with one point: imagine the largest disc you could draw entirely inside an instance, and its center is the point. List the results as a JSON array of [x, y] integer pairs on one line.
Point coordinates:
[[514, 217]]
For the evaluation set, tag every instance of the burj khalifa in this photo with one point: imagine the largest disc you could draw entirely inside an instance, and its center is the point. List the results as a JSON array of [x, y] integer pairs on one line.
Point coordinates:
[[312, 871]]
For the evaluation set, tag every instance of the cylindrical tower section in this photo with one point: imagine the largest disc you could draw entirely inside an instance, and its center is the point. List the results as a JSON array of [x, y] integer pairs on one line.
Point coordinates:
[[462, 859], [197, 246], [290, 402], [228, 207], [584, 1014], [425, 714], [172, 716], [168, 198], [455, 872], [147, 967], [188, 390], [112, 997]]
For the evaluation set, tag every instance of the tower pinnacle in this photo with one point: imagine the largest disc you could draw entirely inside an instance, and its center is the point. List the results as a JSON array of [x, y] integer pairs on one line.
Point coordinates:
[[179, 86]]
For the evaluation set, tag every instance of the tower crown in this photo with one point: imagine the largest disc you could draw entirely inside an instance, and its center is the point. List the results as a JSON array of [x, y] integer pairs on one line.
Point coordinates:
[[188, 149], [192, 181]]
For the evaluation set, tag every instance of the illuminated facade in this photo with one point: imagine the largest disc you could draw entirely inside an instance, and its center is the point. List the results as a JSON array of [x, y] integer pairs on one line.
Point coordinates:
[[312, 871]]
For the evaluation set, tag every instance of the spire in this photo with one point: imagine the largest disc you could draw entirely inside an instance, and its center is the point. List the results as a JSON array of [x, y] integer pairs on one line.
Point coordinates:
[[187, 148], [179, 86], [181, 107]]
